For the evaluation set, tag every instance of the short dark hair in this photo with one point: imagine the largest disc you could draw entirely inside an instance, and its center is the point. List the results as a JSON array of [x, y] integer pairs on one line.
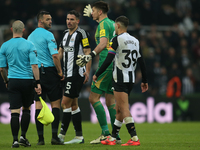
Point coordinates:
[[75, 13], [123, 20], [102, 6], [41, 13]]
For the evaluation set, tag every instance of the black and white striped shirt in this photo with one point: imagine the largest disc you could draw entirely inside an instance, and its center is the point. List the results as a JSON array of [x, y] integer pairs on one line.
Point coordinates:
[[73, 45], [124, 49]]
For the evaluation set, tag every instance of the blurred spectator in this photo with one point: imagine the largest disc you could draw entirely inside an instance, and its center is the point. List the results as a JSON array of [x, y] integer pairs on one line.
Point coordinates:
[[185, 58], [188, 82], [167, 16], [182, 109], [146, 13], [196, 51], [163, 81], [133, 12], [7, 34]]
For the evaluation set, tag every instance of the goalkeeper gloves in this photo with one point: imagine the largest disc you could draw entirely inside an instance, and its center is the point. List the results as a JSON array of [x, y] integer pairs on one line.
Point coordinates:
[[87, 11], [84, 59]]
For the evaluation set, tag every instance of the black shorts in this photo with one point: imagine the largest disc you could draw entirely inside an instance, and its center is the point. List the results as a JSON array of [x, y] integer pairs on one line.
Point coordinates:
[[122, 87], [72, 86], [20, 93], [51, 84]]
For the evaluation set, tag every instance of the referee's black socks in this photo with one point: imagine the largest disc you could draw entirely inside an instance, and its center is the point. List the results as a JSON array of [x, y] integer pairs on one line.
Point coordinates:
[[39, 126], [55, 123], [25, 122], [14, 123]]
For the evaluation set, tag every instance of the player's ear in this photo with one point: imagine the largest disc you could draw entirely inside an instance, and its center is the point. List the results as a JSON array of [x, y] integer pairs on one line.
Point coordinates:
[[118, 25], [11, 29], [100, 12], [23, 30]]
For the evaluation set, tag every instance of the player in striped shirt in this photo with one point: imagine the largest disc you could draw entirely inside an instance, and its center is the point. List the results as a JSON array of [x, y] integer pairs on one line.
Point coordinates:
[[124, 49]]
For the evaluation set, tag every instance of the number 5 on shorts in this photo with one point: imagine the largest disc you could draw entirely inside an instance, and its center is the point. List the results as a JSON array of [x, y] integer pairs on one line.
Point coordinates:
[[68, 86]]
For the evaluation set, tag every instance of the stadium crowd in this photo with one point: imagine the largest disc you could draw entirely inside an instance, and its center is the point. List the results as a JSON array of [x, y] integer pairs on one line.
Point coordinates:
[[168, 31]]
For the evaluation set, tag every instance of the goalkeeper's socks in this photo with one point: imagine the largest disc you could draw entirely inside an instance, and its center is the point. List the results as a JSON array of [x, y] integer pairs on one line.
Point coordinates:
[[39, 126], [77, 119], [25, 122], [112, 112], [14, 123], [55, 123], [101, 116], [65, 120]]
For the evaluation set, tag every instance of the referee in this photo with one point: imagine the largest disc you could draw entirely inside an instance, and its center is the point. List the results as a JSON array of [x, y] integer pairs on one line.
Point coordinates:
[[124, 49], [50, 73], [20, 55], [75, 41]]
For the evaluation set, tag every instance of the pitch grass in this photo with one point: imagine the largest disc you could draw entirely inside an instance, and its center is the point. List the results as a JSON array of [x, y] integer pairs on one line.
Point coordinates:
[[155, 136]]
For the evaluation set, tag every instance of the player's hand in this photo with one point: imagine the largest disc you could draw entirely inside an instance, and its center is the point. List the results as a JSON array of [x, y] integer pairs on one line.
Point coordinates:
[[86, 74], [94, 78], [38, 89], [62, 77], [83, 60], [144, 87], [87, 11]]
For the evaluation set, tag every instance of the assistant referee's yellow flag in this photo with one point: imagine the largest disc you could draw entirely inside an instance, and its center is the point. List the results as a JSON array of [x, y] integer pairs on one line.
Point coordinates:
[[45, 116]]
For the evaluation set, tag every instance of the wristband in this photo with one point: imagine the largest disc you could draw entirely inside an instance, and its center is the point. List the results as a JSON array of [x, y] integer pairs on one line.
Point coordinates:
[[60, 74], [93, 54], [6, 82], [37, 82]]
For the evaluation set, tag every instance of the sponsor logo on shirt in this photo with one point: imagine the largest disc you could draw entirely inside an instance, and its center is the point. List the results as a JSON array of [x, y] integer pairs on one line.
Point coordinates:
[[72, 40], [68, 49], [102, 32]]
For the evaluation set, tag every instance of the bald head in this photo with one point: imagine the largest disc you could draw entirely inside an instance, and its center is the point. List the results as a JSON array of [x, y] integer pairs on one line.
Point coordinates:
[[18, 27]]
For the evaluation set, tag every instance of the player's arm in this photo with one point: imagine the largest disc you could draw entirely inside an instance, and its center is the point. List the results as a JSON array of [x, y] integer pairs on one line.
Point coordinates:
[[36, 74], [3, 65], [101, 45], [60, 52], [57, 63], [84, 59], [88, 65], [104, 66], [111, 55], [4, 74], [52, 45], [144, 84], [34, 64]]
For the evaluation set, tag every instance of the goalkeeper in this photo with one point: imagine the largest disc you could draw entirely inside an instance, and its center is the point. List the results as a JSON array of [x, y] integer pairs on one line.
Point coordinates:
[[104, 33]]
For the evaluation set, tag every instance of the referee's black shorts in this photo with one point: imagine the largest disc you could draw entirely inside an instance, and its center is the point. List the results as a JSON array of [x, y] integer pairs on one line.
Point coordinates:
[[122, 87], [51, 84], [20, 93], [72, 86]]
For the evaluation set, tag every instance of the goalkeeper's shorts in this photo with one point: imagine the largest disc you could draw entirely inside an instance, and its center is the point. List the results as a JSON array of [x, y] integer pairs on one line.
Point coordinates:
[[103, 84]]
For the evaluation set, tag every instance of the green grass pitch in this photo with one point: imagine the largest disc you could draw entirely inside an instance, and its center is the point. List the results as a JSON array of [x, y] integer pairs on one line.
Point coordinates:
[[154, 136]]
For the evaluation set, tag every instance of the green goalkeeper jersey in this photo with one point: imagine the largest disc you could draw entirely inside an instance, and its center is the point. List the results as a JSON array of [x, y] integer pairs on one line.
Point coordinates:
[[106, 28]]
